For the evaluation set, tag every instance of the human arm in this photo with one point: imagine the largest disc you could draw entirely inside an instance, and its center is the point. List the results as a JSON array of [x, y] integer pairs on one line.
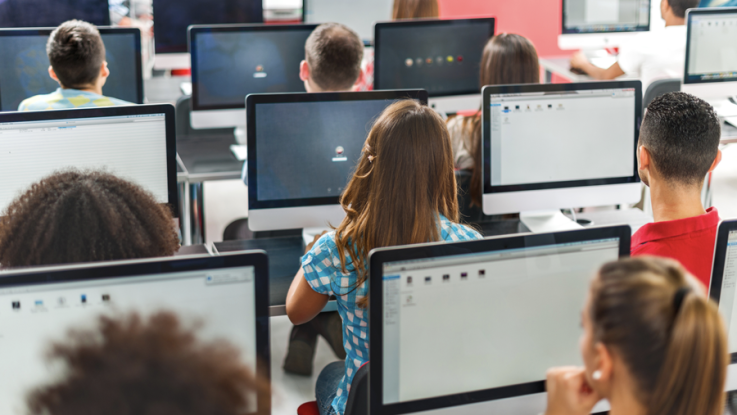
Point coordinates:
[[569, 393], [303, 302], [579, 61]]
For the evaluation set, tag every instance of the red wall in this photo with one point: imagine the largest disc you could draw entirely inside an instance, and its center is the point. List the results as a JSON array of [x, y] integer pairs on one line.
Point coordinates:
[[538, 20]]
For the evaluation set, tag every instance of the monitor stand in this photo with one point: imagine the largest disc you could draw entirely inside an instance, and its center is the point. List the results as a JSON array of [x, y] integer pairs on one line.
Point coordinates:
[[725, 108], [542, 221]]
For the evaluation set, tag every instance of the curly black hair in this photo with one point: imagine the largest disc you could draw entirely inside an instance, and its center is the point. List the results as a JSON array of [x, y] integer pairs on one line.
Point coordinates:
[[131, 365], [75, 216]]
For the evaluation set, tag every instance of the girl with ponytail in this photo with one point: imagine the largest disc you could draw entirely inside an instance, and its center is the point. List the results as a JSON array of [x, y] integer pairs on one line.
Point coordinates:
[[653, 344]]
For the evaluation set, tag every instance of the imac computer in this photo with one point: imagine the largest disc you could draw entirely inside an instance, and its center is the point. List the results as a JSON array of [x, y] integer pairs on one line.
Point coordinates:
[[173, 17], [497, 313], [42, 13], [550, 147], [222, 298], [24, 65], [598, 24], [302, 150], [723, 290], [136, 143], [359, 15], [232, 61], [711, 58], [440, 56]]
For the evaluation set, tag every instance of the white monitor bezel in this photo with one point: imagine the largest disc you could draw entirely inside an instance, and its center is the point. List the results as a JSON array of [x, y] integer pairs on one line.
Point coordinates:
[[571, 40]]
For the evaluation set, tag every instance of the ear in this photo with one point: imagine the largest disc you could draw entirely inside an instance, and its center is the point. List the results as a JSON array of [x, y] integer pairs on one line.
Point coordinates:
[[716, 162], [304, 70], [104, 71], [361, 77], [53, 76], [643, 158], [604, 362]]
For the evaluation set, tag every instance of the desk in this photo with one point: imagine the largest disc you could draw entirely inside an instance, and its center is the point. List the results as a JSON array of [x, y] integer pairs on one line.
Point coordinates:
[[561, 66]]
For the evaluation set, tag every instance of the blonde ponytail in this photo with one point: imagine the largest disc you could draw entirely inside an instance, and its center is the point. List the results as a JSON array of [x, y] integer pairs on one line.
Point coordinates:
[[670, 336]]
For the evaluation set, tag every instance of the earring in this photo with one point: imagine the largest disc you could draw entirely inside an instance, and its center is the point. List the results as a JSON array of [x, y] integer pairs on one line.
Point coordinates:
[[596, 375]]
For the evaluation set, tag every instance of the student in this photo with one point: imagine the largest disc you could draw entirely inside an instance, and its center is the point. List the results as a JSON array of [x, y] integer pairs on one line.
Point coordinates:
[[652, 344], [74, 216], [415, 9], [650, 56], [507, 59], [333, 55], [403, 9], [402, 192], [679, 145], [77, 57], [132, 365]]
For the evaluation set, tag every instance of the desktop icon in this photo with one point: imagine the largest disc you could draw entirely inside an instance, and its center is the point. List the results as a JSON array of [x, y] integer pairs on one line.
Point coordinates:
[[428, 61], [409, 62], [409, 280], [84, 299], [459, 58], [446, 278], [450, 59], [259, 72], [61, 301], [482, 273], [418, 61], [340, 154], [428, 280], [439, 60], [39, 303], [464, 275], [16, 305], [106, 298]]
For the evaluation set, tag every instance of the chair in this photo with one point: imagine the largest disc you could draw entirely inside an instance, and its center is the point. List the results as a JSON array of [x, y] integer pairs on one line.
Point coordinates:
[[357, 403], [659, 88]]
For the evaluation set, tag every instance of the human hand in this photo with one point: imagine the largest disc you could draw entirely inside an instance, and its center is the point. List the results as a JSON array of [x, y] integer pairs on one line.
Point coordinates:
[[314, 241], [569, 392]]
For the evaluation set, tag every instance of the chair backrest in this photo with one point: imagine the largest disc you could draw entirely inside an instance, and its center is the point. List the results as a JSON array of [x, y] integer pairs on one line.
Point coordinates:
[[659, 88], [357, 403], [184, 126]]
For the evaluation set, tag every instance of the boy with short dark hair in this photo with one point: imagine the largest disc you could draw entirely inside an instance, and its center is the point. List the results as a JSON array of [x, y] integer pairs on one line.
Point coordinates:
[[77, 56], [333, 55], [679, 146]]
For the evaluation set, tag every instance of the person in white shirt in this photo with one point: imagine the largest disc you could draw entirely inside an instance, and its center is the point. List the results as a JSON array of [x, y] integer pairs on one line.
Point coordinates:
[[650, 56]]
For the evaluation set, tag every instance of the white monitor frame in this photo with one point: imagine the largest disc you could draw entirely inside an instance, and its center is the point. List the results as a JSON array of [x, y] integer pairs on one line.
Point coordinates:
[[561, 195], [315, 212], [716, 90], [168, 61], [571, 39], [359, 15]]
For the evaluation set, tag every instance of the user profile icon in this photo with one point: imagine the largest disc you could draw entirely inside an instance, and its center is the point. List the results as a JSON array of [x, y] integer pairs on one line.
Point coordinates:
[[409, 62], [339, 151], [259, 68]]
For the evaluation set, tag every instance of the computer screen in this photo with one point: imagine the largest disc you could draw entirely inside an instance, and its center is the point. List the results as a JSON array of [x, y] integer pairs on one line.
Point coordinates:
[[602, 16], [359, 15], [440, 56], [38, 311], [727, 269], [136, 146], [718, 3], [230, 62], [498, 314], [43, 13], [172, 17], [711, 54], [24, 65]]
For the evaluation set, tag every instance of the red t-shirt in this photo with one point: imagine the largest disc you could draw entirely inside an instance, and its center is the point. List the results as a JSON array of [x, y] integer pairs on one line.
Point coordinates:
[[689, 241]]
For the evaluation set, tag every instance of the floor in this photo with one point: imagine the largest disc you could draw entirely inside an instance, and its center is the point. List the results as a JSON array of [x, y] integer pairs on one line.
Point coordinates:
[[226, 201]]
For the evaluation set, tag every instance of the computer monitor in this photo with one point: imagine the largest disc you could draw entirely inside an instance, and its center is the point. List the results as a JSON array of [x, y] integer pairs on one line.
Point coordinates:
[[718, 3], [723, 290], [41, 13], [227, 294], [711, 57], [472, 327], [440, 56], [24, 65], [172, 17], [596, 24], [357, 14], [302, 150], [549, 147], [136, 143], [232, 61]]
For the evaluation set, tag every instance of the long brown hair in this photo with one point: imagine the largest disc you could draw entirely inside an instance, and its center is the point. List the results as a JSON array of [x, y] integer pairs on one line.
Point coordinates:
[[507, 59], [403, 180], [415, 9], [670, 336]]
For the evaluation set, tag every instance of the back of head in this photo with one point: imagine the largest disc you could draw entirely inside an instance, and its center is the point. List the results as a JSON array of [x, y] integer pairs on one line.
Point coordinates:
[[334, 53], [415, 9], [509, 59], [671, 338], [403, 180], [680, 6], [134, 366], [76, 53], [682, 133], [74, 216]]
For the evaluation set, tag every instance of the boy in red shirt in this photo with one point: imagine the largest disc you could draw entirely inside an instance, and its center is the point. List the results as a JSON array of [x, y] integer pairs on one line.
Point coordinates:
[[679, 146]]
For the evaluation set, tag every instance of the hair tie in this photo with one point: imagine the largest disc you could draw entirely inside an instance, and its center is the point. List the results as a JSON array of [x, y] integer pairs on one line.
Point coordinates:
[[679, 297], [371, 158]]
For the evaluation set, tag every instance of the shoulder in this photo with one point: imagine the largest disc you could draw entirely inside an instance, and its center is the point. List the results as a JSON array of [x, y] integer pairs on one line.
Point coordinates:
[[42, 100], [103, 101], [453, 232]]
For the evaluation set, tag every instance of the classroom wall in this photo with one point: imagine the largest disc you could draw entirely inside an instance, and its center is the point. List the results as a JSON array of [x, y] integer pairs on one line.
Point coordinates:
[[538, 20]]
